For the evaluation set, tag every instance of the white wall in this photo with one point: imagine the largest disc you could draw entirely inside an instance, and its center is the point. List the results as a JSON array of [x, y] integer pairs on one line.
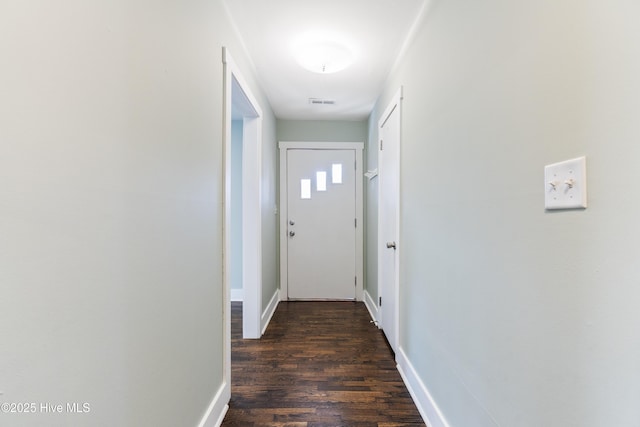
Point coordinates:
[[111, 208], [513, 316]]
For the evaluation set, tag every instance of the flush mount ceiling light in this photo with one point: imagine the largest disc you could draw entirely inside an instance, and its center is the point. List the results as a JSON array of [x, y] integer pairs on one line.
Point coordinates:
[[323, 57]]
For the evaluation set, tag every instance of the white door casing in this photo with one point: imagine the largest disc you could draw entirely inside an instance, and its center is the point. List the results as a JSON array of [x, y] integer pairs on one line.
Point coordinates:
[[389, 219], [323, 257], [236, 87]]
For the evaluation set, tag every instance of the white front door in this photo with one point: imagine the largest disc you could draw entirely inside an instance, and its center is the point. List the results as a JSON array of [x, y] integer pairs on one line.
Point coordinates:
[[321, 228], [388, 220]]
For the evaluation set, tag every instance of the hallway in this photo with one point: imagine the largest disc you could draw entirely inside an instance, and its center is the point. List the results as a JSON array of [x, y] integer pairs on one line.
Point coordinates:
[[318, 364]]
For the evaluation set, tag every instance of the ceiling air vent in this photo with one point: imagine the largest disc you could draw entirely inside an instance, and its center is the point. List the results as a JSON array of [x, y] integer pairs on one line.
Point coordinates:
[[318, 101]]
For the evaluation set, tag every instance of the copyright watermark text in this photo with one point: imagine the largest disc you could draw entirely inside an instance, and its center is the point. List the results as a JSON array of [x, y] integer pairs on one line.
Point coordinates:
[[45, 408]]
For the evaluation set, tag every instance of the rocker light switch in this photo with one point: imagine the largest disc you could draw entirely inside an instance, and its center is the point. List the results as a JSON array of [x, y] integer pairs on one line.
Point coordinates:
[[565, 184]]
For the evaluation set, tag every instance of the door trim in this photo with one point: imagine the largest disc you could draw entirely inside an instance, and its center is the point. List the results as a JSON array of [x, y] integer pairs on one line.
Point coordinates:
[[358, 147], [252, 205], [395, 103]]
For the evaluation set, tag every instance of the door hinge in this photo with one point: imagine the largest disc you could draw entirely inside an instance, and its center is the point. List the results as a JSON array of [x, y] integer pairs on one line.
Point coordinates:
[[355, 222], [380, 145], [380, 301], [355, 281]]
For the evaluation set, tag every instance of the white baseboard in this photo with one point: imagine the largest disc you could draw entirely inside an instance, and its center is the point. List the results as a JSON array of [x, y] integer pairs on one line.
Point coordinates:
[[237, 294], [268, 312], [218, 408], [371, 306], [421, 397]]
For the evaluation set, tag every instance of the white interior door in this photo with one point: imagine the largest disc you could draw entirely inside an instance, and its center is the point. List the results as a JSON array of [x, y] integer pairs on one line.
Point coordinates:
[[388, 220], [321, 229]]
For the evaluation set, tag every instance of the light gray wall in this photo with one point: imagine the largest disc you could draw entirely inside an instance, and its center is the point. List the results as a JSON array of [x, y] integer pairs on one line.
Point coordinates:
[[111, 208], [371, 211], [322, 130], [513, 316], [270, 260], [236, 204]]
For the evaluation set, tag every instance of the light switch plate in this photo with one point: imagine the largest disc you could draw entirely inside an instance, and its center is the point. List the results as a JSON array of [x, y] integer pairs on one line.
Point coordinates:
[[565, 184]]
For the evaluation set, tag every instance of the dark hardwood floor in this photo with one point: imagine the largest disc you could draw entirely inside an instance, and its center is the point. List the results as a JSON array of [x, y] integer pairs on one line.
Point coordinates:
[[318, 364]]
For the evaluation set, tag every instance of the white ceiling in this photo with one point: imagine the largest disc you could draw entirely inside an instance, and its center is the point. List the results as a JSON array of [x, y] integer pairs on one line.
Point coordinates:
[[375, 30]]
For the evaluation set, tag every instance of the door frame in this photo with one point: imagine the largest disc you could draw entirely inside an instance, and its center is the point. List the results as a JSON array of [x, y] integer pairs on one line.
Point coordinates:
[[358, 147], [394, 104], [251, 205]]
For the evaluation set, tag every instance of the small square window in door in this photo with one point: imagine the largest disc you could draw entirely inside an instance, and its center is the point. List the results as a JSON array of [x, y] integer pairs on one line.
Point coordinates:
[[321, 181], [305, 188], [336, 173]]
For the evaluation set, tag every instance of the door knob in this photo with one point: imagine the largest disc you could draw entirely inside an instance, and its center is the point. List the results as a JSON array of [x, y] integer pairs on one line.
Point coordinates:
[[292, 233], [391, 245]]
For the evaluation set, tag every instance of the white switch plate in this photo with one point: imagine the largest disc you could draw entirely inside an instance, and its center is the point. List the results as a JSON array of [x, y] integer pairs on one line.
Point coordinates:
[[565, 184]]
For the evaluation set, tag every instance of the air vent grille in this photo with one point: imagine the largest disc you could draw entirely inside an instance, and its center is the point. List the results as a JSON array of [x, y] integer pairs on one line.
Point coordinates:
[[319, 101]]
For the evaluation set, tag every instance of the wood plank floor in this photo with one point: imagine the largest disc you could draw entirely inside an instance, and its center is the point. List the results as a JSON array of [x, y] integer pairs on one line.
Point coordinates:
[[318, 364]]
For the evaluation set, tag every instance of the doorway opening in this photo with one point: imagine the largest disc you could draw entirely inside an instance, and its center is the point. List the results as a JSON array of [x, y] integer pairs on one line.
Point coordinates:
[[243, 218], [245, 236]]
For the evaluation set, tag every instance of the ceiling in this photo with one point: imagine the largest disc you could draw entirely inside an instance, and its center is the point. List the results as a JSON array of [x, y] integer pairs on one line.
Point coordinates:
[[375, 31]]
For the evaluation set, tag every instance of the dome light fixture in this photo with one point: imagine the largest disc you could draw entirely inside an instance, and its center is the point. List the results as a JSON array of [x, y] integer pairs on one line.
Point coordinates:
[[324, 57]]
